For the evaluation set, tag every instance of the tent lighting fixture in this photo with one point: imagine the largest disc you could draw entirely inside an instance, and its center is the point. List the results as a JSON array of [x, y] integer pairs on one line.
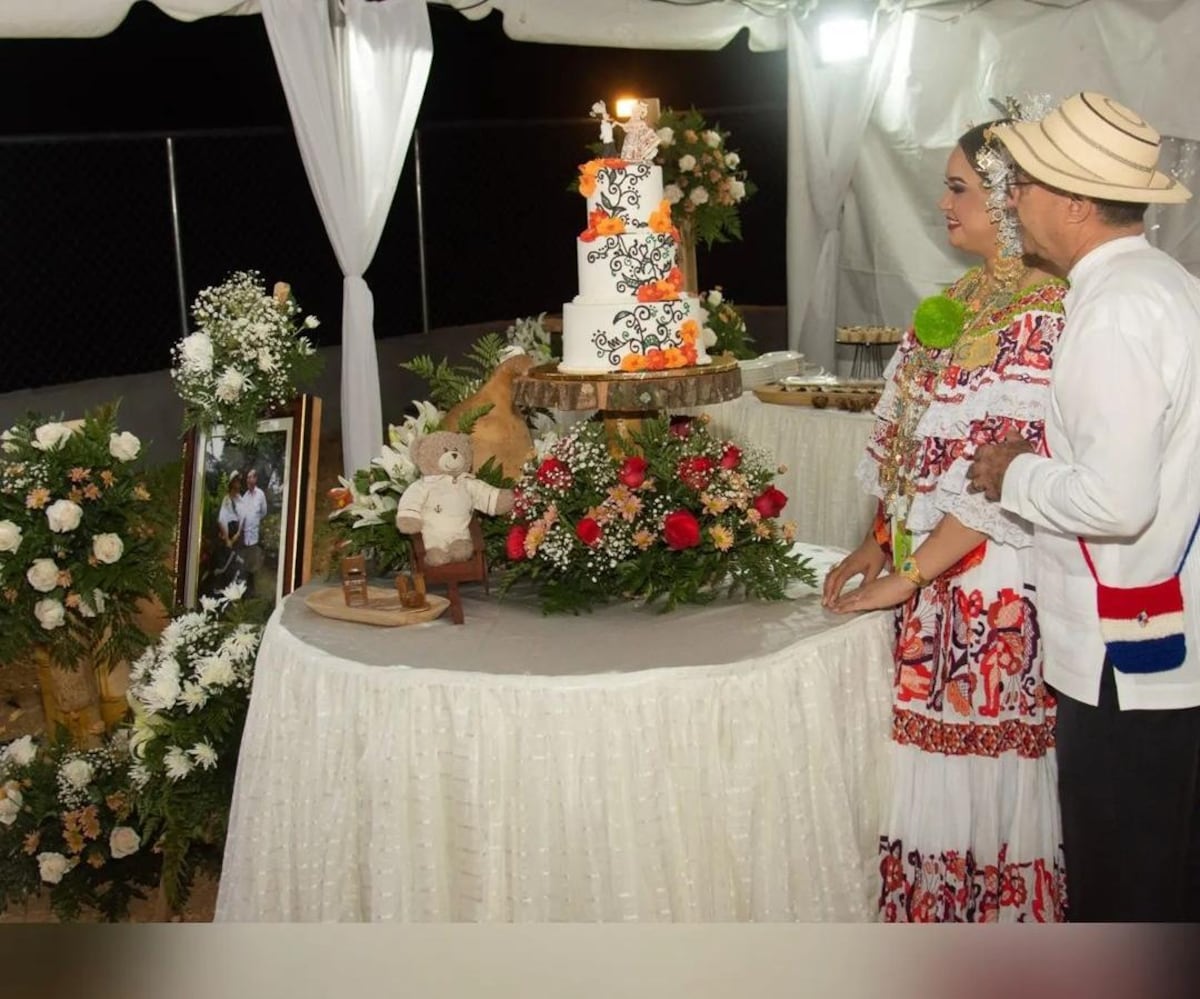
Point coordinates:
[[843, 37], [625, 106]]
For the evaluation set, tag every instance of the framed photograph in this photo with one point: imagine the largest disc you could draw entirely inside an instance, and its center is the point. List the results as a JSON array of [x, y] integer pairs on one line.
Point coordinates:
[[246, 509]]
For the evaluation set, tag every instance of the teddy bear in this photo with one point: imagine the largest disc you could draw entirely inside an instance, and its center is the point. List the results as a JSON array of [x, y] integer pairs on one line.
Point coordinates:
[[439, 504]]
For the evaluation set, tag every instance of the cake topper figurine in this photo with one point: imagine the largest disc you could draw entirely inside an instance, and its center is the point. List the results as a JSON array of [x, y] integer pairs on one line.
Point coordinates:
[[641, 141], [600, 110]]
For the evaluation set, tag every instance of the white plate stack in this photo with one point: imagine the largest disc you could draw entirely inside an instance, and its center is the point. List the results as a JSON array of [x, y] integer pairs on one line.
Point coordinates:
[[784, 363], [756, 372]]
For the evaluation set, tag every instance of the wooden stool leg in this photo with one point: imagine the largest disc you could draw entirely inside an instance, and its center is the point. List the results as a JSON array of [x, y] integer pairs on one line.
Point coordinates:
[[456, 610]]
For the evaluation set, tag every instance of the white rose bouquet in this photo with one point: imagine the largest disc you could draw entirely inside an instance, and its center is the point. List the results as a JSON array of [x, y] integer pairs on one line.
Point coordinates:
[[80, 541], [246, 357], [702, 177], [189, 695], [69, 826]]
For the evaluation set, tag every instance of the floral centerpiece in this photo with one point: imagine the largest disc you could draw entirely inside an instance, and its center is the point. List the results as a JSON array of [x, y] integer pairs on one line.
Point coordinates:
[[703, 178], [69, 825], [80, 541], [726, 325], [189, 694], [246, 357], [681, 518]]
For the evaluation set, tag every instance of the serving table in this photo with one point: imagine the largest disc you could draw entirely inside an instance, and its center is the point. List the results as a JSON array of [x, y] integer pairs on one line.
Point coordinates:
[[717, 763]]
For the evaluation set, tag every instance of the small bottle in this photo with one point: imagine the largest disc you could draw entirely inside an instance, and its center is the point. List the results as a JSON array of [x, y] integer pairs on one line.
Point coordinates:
[[354, 581]]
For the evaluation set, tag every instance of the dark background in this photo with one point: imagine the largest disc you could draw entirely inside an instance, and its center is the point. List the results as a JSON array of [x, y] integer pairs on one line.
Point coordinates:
[[87, 261]]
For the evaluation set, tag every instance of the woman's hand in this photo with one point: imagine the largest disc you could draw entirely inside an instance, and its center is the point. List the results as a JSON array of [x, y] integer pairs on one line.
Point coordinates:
[[886, 591], [868, 559]]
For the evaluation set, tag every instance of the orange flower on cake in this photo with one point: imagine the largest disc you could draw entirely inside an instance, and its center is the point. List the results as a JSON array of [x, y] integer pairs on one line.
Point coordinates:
[[633, 362], [587, 177], [673, 357], [660, 220], [610, 225]]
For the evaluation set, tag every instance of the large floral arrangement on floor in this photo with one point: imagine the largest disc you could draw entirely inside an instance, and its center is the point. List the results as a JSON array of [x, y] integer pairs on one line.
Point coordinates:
[[189, 695], [703, 179], [247, 356], [69, 825], [80, 540], [681, 518]]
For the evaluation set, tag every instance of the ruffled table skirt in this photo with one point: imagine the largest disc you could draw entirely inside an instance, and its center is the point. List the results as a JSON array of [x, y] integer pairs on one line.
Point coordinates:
[[714, 764]]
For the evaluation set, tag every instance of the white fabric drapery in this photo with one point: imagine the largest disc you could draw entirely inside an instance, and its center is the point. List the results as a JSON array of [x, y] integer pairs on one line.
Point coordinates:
[[353, 89], [828, 109]]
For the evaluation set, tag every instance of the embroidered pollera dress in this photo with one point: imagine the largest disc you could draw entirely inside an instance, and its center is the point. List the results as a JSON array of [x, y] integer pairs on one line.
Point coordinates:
[[972, 830]]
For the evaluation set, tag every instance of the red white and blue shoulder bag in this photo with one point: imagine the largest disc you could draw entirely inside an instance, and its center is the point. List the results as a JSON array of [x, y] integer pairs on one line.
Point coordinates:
[[1142, 626]]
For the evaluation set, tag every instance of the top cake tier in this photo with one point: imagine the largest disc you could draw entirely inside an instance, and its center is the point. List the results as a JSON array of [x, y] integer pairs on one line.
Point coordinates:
[[630, 191]]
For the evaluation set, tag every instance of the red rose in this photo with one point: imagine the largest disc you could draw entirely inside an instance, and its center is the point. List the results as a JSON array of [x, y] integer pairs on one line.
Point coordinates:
[[554, 473], [681, 530], [514, 544], [633, 472], [731, 458], [588, 531], [695, 472], [770, 502], [681, 426]]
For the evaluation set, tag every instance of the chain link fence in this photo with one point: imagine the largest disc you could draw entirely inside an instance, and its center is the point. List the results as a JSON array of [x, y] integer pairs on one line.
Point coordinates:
[[95, 250]]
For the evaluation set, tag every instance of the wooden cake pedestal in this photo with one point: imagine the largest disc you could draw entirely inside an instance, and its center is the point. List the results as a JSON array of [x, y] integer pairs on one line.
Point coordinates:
[[623, 399]]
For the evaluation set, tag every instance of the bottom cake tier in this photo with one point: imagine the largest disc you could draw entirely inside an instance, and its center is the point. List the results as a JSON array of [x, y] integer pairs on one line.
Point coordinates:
[[632, 336]]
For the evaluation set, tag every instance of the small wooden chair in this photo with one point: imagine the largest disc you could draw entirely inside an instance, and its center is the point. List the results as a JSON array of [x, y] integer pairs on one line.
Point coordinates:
[[453, 573]]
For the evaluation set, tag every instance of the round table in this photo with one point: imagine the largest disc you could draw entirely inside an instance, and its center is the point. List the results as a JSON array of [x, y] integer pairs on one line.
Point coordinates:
[[716, 763]]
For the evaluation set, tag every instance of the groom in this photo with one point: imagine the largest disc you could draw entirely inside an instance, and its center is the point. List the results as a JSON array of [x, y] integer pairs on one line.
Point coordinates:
[[1123, 434]]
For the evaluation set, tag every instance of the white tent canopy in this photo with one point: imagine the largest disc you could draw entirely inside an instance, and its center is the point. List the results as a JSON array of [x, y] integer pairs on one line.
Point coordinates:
[[864, 158]]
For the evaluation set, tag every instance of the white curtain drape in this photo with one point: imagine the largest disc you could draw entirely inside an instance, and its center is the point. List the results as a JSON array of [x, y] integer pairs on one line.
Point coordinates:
[[354, 81], [828, 110]]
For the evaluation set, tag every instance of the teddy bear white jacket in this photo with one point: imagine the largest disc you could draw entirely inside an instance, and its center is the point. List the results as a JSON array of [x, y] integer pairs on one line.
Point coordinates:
[[444, 505]]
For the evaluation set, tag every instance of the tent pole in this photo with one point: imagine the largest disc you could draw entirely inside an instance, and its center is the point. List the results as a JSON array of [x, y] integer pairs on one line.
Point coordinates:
[[421, 231], [174, 189]]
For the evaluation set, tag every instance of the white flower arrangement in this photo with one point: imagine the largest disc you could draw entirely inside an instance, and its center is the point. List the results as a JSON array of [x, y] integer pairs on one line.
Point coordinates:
[[247, 356]]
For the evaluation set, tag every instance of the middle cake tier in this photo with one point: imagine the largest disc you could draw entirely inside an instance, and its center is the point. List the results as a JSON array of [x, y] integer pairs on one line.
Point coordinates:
[[615, 267]]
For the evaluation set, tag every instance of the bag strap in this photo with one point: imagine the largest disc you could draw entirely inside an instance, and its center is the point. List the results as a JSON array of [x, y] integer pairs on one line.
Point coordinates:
[[1087, 557]]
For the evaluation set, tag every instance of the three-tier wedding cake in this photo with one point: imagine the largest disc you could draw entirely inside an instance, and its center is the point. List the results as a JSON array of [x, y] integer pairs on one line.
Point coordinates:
[[631, 313]]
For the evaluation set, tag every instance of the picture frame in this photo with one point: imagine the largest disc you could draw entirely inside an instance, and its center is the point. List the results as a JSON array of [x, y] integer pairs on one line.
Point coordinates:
[[246, 510]]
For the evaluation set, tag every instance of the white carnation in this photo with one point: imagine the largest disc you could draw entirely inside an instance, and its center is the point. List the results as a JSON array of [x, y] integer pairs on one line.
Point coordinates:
[[10, 536], [43, 574], [52, 867], [50, 436], [50, 614], [177, 763], [64, 516], [732, 160], [123, 842], [687, 162], [737, 190], [6, 442], [193, 697], [210, 605], [20, 752], [124, 446], [108, 548], [665, 136], [162, 693], [672, 194], [196, 352], [77, 773], [698, 196], [230, 385]]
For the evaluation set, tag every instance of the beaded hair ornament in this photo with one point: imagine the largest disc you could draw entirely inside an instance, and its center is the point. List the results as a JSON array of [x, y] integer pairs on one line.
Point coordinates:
[[996, 166]]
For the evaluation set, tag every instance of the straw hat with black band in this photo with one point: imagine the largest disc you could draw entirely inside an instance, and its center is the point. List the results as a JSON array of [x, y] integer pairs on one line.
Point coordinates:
[[1093, 146]]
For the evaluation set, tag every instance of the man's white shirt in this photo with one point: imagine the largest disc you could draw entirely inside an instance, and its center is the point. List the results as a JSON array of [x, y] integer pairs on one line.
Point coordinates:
[[1123, 430], [252, 507]]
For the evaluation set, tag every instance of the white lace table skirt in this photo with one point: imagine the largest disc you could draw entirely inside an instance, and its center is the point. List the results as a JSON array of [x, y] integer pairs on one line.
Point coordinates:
[[821, 448], [502, 774]]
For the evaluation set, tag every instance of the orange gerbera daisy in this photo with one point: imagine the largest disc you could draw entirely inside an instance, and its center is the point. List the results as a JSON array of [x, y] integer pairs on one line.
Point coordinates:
[[689, 331], [633, 362], [660, 218], [610, 225]]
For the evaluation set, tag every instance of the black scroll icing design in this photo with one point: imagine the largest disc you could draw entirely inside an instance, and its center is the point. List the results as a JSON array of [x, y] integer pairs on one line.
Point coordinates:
[[634, 262], [643, 327], [618, 191]]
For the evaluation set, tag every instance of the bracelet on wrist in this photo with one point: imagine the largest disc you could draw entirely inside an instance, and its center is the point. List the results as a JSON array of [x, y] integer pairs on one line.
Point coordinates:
[[910, 571]]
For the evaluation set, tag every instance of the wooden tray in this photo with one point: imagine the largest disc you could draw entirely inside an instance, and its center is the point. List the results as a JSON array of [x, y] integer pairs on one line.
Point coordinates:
[[858, 398], [384, 608]]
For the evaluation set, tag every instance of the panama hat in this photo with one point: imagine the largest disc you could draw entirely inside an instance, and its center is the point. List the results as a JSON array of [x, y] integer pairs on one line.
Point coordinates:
[[1093, 146]]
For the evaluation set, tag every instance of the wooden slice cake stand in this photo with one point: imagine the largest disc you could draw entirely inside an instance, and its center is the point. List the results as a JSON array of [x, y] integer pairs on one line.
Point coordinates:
[[624, 399]]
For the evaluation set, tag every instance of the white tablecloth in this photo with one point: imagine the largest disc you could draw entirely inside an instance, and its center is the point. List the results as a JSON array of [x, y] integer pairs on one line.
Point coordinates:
[[714, 764], [821, 448]]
